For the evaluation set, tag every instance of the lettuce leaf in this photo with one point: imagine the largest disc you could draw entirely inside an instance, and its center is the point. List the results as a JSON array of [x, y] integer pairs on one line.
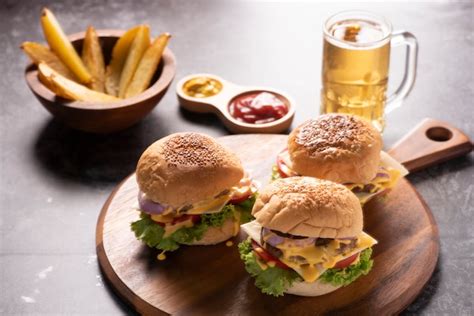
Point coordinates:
[[273, 281], [275, 173], [147, 230], [218, 219], [151, 233], [351, 273], [245, 209]]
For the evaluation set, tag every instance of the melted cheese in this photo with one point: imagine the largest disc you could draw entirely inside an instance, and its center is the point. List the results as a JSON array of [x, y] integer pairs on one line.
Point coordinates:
[[209, 206], [379, 184], [318, 259], [169, 229], [167, 218], [321, 258], [395, 171], [161, 256], [388, 161], [168, 210], [261, 264], [215, 205]]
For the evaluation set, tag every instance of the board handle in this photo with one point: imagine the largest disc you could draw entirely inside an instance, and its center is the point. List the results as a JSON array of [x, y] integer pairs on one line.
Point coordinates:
[[429, 143]]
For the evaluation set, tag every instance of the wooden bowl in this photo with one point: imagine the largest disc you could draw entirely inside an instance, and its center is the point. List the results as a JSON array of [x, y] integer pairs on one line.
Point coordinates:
[[99, 117], [219, 105]]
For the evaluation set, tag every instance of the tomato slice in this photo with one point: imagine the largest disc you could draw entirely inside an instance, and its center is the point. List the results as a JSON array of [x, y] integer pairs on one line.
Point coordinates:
[[267, 257], [280, 166], [346, 262], [182, 218], [238, 200], [160, 223], [241, 195], [283, 169]]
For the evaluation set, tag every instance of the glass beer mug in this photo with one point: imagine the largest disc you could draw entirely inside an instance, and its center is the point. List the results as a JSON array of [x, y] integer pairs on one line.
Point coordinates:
[[356, 57]]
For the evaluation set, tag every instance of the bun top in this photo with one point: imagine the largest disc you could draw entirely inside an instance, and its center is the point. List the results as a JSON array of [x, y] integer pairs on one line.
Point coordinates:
[[186, 168], [337, 147], [309, 207]]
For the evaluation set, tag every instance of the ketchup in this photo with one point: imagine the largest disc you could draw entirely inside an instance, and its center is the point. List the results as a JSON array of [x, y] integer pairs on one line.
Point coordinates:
[[257, 108]]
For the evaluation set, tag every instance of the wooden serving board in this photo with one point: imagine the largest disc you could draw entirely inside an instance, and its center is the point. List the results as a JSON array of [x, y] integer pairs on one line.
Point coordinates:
[[211, 280]]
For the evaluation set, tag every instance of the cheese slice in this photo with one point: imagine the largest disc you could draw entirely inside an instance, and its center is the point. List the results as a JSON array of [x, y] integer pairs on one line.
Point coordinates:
[[215, 205], [252, 229], [209, 206], [388, 161], [169, 229], [395, 171], [319, 258], [163, 218]]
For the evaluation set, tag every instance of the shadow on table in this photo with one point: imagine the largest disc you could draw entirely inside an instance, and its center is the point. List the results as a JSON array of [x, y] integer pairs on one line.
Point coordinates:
[[92, 158], [209, 120], [427, 294]]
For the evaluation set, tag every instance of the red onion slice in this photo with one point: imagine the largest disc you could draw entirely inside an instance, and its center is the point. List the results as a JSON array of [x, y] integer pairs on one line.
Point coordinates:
[[303, 242], [148, 206], [382, 175], [275, 240]]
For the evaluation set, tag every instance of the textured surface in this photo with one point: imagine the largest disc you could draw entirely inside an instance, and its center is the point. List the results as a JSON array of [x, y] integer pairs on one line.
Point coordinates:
[[53, 180], [186, 168], [336, 147], [403, 264], [306, 206]]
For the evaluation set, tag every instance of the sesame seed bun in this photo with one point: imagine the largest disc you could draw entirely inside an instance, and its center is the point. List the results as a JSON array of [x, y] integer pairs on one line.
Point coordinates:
[[316, 288], [305, 206], [186, 168], [337, 147]]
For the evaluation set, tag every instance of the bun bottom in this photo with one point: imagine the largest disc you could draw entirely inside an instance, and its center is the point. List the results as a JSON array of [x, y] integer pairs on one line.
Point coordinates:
[[215, 235], [311, 289]]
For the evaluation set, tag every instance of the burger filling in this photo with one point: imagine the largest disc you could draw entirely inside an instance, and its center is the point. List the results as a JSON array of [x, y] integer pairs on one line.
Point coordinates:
[[389, 172], [278, 259], [165, 227]]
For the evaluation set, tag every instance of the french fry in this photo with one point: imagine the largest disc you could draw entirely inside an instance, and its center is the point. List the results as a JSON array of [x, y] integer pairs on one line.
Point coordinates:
[[59, 43], [40, 53], [94, 59], [146, 68], [69, 89], [119, 55], [140, 43], [44, 75]]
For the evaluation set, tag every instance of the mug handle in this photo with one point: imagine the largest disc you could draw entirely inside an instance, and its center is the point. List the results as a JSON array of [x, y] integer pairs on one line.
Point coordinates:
[[409, 40]]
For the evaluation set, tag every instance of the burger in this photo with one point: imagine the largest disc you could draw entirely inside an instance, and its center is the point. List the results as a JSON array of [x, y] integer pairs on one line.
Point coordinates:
[[192, 191], [306, 238], [340, 148]]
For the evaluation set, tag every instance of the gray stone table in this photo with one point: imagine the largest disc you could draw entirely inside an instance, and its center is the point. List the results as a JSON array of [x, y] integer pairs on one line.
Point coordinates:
[[53, 180]]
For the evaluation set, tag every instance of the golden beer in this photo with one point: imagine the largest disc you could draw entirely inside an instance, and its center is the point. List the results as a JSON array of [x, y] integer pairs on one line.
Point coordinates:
[[356, 56]]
